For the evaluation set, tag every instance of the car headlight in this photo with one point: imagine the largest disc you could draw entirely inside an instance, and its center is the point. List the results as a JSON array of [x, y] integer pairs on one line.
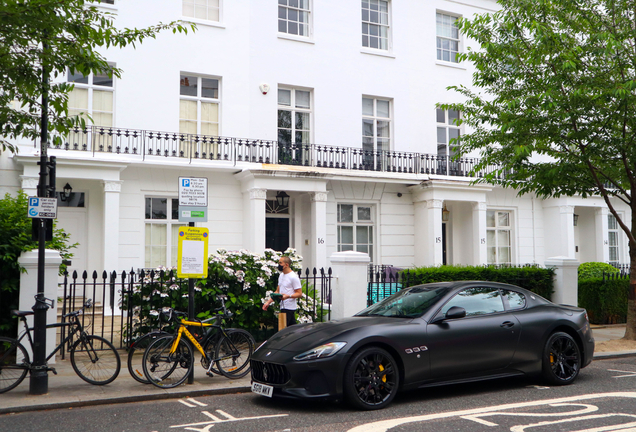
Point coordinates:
[[326, 350]]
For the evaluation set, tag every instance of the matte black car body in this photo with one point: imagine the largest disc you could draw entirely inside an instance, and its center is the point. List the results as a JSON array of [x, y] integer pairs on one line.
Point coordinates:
[[429, 350]]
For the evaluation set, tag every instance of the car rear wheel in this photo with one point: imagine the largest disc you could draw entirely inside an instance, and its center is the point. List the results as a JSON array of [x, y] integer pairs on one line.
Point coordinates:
[[561, 359], [371, 379]]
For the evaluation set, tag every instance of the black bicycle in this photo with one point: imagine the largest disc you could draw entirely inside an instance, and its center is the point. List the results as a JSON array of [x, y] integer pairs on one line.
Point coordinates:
[[93, 358]]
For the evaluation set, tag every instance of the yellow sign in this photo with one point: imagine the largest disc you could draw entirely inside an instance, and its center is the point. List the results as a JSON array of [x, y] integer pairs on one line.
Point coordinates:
[[193, 252]]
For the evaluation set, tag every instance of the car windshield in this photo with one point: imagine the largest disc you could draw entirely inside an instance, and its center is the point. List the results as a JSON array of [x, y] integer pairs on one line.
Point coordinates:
[[408, 303]]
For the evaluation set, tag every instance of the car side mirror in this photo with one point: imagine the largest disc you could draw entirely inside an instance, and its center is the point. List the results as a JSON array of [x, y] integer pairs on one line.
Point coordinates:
[[455, 312]]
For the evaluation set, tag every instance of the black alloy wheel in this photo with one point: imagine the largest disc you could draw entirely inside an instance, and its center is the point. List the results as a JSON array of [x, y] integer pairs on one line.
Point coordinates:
[[371, 379], [561, 359]]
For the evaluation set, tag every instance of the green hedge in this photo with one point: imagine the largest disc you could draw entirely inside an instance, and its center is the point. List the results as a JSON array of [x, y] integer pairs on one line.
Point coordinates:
[[536, 279], [591, 270], [605, 301]]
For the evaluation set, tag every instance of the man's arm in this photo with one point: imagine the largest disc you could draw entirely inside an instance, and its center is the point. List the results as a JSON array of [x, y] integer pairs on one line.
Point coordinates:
[[270, 301]]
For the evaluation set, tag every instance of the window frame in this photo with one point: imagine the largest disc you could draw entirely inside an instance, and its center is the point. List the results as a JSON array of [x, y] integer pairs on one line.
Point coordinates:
[[309, 23], [294, 110], [377, 155], [368, 22], [496, 229], [169, 223], [371, 243], [446, 165], [91, 87], [438, 37], [199, 99], [202, 20], [617, 246]]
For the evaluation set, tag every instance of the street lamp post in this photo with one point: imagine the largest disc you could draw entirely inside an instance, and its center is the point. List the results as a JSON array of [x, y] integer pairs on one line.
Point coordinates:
[[39, 381]]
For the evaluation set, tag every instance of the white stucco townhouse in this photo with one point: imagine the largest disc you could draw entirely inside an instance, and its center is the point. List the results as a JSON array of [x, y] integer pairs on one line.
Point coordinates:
[[331, 102]]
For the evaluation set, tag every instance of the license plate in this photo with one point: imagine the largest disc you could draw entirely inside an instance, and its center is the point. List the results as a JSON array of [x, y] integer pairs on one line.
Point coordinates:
[[262, 389]]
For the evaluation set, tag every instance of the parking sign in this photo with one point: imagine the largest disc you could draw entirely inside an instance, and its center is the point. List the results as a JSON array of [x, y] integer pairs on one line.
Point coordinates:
[[193, 191], [43, 208]]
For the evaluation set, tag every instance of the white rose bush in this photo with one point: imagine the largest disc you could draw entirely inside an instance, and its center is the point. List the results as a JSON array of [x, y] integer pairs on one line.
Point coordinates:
[[246, 278]]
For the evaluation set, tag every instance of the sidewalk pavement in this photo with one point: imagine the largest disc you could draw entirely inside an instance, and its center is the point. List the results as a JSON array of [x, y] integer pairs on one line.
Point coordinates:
[[67, 390]]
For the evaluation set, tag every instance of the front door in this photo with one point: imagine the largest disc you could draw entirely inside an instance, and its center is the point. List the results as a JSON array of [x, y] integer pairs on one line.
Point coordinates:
[[73, 221], [277, 233]]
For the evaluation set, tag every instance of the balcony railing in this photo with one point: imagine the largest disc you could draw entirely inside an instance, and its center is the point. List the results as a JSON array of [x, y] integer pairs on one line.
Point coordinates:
[[145, 144]]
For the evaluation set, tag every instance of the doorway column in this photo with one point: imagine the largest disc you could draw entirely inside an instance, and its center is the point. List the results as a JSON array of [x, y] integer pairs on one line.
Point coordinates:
[[601, 234], [29, 185], [428, 232], [112, 189], [480, 250], [319, 229], [254, 219]]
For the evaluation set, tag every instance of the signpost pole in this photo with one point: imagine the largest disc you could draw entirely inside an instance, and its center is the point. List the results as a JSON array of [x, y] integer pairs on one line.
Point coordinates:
[[191, 310], [193, 206]]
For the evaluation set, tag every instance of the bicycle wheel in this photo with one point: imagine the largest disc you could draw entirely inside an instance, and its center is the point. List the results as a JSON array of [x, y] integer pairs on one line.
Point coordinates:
[[165, 369], [95, 360], [233, 353], [136, 355], [14, 363], [209, 347]]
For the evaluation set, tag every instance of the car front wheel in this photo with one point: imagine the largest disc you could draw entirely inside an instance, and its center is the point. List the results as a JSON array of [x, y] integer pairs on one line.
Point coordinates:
[[371, 379], [561, 359]]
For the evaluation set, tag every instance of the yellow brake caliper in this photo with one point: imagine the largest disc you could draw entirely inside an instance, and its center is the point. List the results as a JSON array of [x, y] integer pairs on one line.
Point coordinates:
[[383, 376]]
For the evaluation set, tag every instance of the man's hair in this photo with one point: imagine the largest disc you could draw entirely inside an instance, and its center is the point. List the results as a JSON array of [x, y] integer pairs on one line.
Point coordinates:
[[286, 260]]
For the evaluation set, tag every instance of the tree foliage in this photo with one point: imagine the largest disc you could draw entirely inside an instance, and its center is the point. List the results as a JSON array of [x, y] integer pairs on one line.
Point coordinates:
[[15, 232], [555, 87], [54, 35]]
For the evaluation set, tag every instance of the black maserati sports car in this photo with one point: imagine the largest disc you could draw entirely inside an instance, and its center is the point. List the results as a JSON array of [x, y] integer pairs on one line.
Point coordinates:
[[426, 335]]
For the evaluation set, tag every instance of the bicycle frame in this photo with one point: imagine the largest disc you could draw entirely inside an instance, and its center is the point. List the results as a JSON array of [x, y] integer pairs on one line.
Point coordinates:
[[183, 329], [76, 328]]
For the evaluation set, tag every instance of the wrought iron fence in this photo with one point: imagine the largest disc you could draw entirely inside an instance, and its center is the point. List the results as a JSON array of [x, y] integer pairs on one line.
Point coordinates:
[[384, 281], [146, 143], [115, 310], [102, 318]]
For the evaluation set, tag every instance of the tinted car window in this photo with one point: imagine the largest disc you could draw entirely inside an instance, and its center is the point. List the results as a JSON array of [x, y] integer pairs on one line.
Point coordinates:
[[515, 300], [476, 301], [408, 303]]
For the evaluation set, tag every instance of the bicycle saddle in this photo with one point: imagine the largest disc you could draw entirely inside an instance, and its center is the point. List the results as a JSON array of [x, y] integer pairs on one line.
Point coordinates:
[[21, 313]]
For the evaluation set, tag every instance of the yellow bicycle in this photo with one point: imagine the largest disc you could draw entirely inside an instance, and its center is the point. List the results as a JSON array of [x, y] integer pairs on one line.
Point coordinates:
[[169, 360]]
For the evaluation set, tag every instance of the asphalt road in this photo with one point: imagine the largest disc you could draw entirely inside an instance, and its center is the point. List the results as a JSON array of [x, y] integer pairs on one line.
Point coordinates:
[[602, 399]]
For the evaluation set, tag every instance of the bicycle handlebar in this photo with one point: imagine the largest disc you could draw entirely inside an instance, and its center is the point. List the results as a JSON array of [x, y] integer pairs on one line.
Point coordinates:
[[87, 304]]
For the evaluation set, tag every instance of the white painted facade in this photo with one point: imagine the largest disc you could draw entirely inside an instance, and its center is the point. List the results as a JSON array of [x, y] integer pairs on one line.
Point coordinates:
[[245, 50]]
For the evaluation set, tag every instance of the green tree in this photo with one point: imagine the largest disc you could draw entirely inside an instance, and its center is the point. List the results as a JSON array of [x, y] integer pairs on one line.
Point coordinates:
[[555, 88], [15, 232], [42, 38]]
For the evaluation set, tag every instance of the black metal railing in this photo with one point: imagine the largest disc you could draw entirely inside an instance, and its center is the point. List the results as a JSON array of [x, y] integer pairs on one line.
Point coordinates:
[[102, 318], [384, 281], [121, 302], [147, 144]]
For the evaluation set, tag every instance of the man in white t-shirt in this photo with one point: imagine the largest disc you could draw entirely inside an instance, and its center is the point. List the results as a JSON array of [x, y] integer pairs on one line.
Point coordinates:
[[289, 286]]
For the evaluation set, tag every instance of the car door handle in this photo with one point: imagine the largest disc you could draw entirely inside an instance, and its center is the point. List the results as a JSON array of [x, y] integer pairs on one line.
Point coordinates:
[[507, 324]]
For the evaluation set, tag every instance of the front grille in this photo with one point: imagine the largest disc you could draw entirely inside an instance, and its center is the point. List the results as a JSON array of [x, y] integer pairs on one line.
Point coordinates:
[[269, 373]]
